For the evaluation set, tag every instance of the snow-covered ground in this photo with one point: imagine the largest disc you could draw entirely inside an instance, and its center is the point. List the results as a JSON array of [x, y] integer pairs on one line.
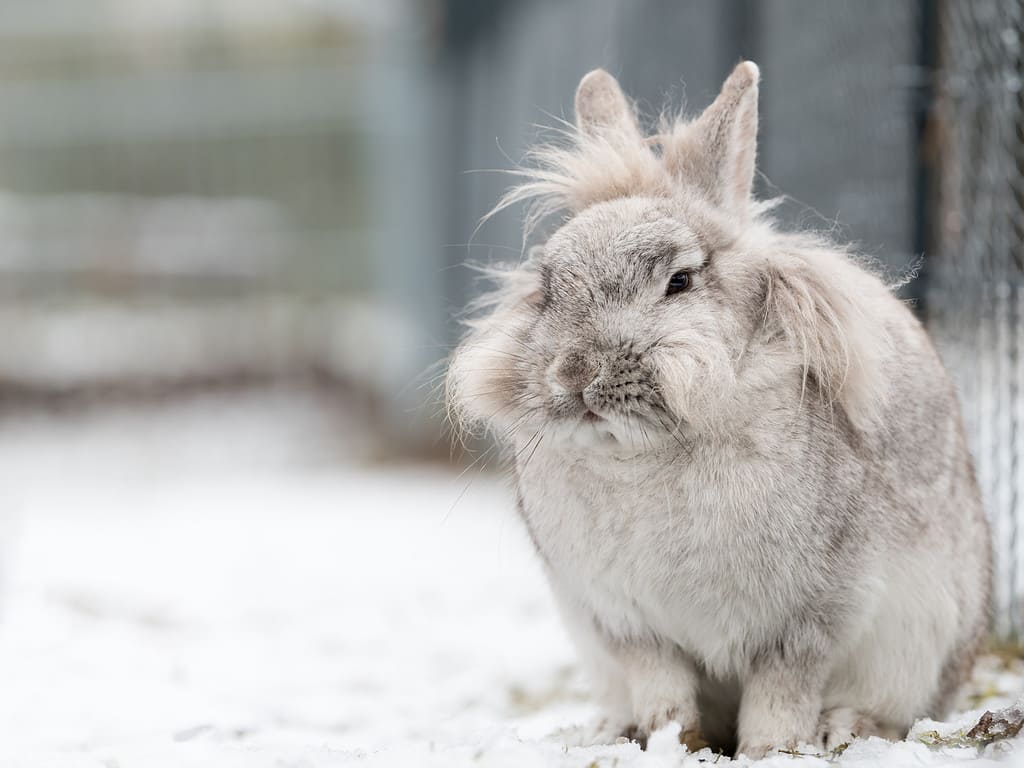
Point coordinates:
[[213, 585]]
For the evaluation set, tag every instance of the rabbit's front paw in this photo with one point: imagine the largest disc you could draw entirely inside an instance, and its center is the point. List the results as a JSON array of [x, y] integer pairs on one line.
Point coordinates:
[[841, 725], [689, 734], [754, 751]]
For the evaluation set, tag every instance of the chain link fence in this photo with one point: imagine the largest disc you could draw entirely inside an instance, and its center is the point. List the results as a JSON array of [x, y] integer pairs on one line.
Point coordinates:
[[974, 288]]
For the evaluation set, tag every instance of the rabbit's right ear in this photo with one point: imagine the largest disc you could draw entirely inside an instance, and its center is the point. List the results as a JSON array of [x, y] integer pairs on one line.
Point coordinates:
[[603, 110], [716, 152]]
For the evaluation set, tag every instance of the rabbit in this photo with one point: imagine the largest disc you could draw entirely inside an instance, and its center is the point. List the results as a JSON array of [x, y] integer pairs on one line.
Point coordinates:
[[736, 452]]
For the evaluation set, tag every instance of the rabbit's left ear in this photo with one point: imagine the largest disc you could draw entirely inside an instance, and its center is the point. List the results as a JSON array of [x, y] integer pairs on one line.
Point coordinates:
[[603, 110], [716, 152]]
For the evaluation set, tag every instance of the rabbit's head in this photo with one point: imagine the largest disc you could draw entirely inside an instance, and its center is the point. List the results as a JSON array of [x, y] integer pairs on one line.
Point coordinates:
[[665, 305]]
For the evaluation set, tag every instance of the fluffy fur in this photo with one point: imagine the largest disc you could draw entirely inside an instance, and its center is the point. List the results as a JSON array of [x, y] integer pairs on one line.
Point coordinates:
[[752, 496]]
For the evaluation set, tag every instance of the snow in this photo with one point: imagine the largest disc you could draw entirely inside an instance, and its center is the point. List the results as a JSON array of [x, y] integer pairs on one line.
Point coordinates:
[[209, 585]]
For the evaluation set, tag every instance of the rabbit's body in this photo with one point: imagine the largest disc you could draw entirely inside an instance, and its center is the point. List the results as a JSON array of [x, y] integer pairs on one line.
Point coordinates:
[[750, 489], [729, 550]]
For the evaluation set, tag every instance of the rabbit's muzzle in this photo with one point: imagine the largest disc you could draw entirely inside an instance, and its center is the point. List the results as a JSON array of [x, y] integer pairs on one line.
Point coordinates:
[[605, 383]]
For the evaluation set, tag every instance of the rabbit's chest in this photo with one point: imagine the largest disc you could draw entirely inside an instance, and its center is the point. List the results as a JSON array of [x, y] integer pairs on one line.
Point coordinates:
[[678, 559]]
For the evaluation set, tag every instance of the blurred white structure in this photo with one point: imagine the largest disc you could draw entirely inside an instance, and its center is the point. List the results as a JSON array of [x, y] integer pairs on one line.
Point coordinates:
[[199, 191]]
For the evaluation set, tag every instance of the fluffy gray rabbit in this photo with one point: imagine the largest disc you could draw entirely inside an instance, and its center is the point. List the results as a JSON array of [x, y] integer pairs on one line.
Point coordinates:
[[737, 453]]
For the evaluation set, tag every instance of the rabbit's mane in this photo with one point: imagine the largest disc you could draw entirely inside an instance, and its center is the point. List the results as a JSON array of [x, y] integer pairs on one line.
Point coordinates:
[[576, 169]]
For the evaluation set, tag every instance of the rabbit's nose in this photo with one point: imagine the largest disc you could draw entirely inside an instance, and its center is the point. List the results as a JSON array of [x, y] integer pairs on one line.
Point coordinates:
[[576, 370]]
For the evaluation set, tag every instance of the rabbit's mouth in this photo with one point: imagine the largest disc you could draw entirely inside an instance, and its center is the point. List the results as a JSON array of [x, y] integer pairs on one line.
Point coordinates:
[[577, 419], [571, 407]]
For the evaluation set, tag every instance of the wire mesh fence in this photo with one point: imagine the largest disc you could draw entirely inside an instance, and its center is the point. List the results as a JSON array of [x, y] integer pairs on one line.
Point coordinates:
[[975, 286]]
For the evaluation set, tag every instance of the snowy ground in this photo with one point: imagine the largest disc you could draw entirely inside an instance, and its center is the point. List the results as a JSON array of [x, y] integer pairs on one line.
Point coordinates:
[[212, 586]]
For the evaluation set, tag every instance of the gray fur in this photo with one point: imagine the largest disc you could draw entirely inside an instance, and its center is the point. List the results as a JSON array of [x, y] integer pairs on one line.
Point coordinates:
[[752, 496]]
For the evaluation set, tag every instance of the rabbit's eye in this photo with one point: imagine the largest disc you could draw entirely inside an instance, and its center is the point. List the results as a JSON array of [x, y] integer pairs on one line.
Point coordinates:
[[680, 281]]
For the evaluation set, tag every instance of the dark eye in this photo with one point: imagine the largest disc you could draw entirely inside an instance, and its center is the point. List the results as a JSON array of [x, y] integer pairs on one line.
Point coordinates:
[[680, 281]]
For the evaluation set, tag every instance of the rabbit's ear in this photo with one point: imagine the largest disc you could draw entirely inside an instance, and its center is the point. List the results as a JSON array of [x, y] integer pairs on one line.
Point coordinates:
[[716, 152], [603, 110]]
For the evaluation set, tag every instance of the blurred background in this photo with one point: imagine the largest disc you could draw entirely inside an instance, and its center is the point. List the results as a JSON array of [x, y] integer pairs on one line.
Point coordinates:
[[232, 232]]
